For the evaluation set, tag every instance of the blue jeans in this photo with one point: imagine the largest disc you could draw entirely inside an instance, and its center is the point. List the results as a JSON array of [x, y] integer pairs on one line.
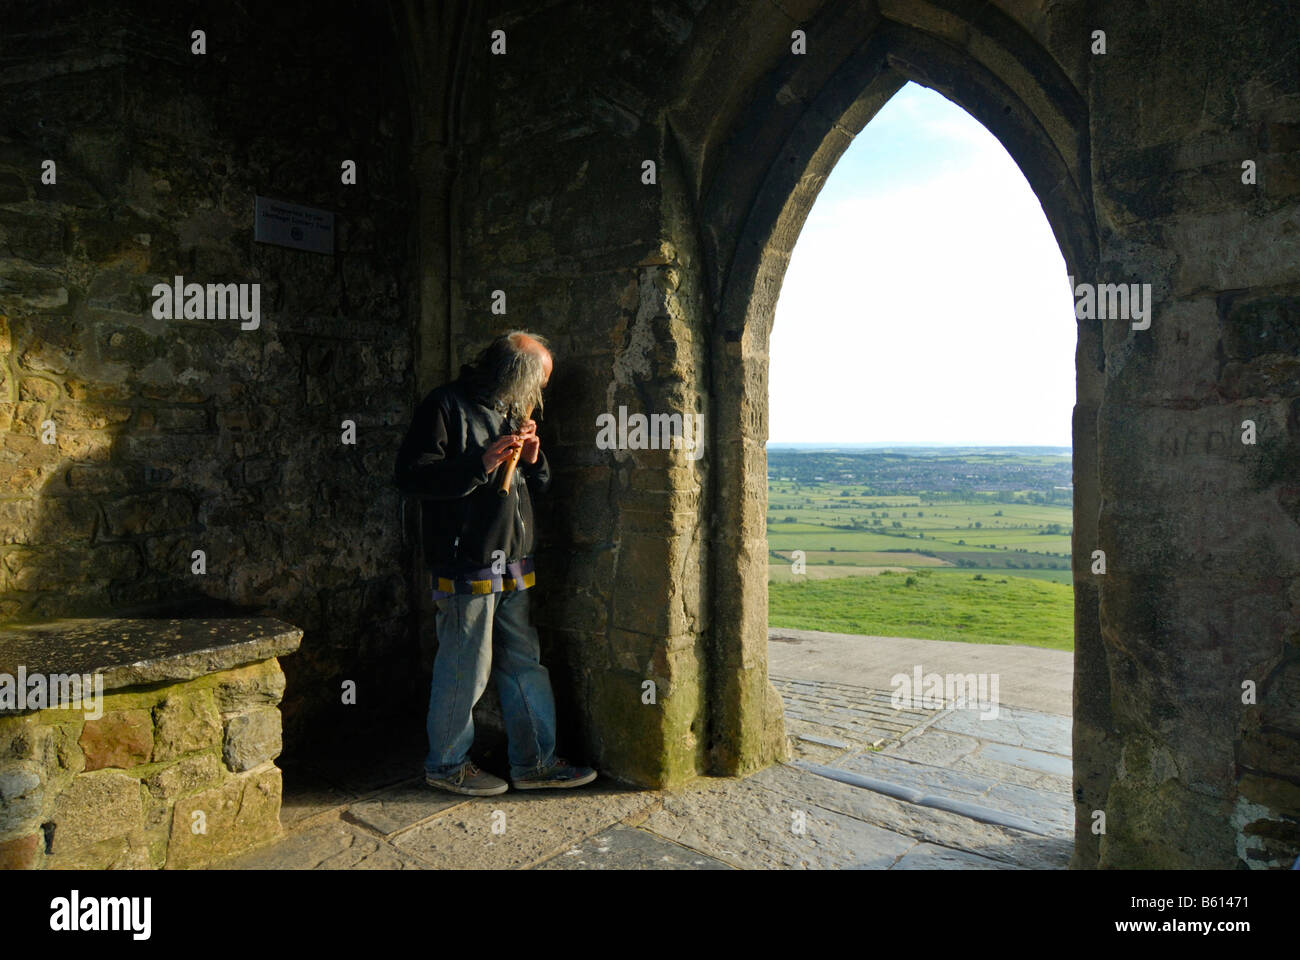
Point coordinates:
[[481, 635]]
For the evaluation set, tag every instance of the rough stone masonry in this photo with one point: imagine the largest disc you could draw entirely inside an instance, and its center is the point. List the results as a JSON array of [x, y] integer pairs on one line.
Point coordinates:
[[629, 180]]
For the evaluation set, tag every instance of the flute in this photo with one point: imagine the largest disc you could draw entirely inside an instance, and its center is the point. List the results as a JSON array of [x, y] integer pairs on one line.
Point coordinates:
[[503, 489]]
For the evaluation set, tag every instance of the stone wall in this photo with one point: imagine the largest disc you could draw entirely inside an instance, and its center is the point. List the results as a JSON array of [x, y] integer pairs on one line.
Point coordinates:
[[172, 436], [1201, 598], [553, 212], [170, 775]]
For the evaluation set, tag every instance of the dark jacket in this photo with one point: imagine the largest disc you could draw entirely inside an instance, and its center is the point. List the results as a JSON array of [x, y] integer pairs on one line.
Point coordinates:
[[464, 519]]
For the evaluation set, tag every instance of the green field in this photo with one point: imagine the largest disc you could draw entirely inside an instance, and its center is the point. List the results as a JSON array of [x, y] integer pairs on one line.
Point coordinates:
[[932, 605], [850, 539]]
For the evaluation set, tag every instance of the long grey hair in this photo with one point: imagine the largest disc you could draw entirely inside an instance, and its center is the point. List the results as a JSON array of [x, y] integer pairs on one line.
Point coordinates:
[[510, 377]]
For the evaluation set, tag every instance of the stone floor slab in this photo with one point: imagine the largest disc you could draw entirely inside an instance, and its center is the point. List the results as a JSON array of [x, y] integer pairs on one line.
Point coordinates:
[[936, 747], [957, 786], [941, 827], [1036, 760], [746, 825], [814, 750], [630, 848], [824, 741], [927, 856], [1053, 809], [1029, 676], [965, 806], [1015, 726], [326, 846], [862, 716], [922, 777], [1006, 773], [532, 826], [400, 807]]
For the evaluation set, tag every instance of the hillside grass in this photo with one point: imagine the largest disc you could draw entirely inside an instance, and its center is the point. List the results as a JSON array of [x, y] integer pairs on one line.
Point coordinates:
[[932, 604]]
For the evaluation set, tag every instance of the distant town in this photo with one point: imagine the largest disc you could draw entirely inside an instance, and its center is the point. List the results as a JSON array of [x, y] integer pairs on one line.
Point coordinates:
[[998, 474]]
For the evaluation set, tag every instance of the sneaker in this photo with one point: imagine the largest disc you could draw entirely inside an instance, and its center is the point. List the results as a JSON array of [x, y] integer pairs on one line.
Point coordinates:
[[469, 780], [559, 774]]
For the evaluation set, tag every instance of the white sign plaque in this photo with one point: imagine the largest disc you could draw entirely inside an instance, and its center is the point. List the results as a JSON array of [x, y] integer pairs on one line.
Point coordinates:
[[293, 225]]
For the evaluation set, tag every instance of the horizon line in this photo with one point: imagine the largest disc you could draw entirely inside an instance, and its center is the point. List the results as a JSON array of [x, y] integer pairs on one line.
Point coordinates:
[[829, 444]]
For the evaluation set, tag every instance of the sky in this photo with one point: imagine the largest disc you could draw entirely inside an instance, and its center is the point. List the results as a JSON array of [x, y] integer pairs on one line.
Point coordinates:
[[926, 299]]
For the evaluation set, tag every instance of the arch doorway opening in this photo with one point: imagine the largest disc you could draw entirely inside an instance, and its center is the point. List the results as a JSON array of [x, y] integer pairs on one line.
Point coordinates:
[[919, 491], [761, 182]]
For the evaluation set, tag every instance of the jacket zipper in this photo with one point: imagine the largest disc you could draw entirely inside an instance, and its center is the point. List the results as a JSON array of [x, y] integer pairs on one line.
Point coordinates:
[[519, 512]]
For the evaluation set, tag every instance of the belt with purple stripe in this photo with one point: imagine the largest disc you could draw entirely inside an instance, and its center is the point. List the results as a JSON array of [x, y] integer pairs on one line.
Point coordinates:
[[518, 575]]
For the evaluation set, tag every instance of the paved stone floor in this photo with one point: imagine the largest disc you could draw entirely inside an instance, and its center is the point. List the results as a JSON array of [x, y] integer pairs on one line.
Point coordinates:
[[866, 787]]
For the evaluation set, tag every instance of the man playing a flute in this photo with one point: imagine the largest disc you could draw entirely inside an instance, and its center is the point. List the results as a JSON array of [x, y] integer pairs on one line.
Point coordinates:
[[472, 454]]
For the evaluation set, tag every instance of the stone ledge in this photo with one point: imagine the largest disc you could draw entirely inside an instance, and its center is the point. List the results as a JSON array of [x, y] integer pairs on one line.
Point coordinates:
[[132, 652], [163, 774]]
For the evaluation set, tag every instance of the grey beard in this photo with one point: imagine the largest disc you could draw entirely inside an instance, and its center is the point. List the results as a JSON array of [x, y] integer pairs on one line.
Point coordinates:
[[519, 394]]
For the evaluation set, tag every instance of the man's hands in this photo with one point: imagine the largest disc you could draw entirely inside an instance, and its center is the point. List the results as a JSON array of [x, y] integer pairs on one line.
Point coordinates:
[[503, 448], [499, 451], [532, 446]]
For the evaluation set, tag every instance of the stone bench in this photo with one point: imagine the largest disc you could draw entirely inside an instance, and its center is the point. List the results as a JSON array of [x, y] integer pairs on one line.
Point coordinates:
[[170, 764]]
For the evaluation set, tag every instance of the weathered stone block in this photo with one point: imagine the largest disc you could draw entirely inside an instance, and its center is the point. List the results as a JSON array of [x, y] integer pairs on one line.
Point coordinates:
[[38, 389], [236, 815], [98, 391], [95, 807], [122, 738], [40, 356], [642, 598], [1273, 751], [97, 480], [1274, 793], [88, 416], [21, 853], [22, 798], [252, 738], [85, 446], [22, 738], [185, 776], [29, 417], [15, 783], [186, 721], [17, 520], [638, 752], [61, 757], [257, 684], [129, 852]]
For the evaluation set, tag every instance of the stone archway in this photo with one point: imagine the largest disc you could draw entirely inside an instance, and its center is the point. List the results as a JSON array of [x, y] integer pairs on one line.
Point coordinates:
[[762, 180], [659, 294]]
